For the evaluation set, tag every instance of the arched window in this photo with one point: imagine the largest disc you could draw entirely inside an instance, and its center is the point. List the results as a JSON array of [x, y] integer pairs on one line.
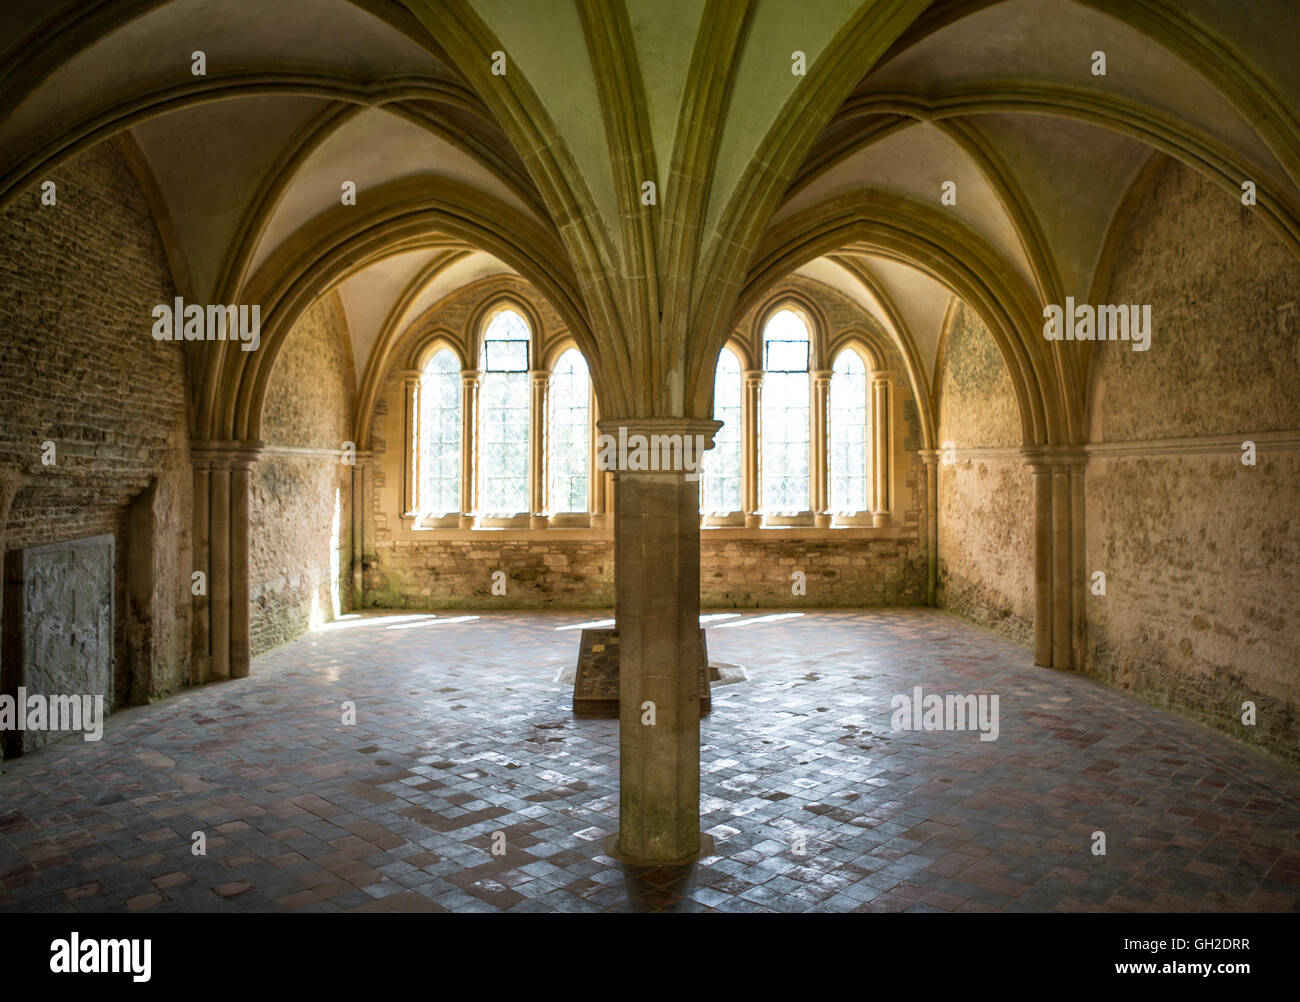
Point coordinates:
[[848, 434], [438, 484], [504, 416], [569, 444], [785, 414], [721, 488]]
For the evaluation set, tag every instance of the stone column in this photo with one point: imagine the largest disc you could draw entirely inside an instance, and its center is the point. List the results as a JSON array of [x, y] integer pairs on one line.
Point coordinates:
[[1042, 475], [1078, 558], [201, 605], [931, 459], [1062, 547], [596, 490], [223, 621], [219, 563], [751, 468], [469, 384], [657, 587], [240, 609], [360, 474], [882, 424], [821, 403], [537, 517], [410, 440]]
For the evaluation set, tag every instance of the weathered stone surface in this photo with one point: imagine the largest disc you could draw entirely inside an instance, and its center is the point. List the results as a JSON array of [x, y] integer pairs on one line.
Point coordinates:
[[986, 544], [758, 573], [454, 574], [300, 507], [1201, 553], [1225, 303], [595, 679], [59, 633]]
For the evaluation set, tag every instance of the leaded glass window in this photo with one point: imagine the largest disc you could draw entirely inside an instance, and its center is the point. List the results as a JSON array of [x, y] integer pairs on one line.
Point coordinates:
[[569, 445], [721, 493], [504, 416], [848, 445], [438, 486], [785, 415]]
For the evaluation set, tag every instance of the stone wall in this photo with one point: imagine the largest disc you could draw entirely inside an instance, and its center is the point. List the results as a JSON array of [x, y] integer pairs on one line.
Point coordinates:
[[574, 574], [986, 541], [1201, 553], [300, 508], [853, 572], [79, 368], [457, 574]]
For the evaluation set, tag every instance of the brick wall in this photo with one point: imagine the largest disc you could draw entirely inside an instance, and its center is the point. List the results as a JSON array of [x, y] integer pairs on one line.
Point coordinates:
[[79, 367], [453, 574]]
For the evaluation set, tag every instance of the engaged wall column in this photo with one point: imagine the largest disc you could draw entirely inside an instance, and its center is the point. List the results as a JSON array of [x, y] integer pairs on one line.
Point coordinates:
[[469, 384], [537, 517], [222, 500], [751, 472], [821, 402], [882, 424]]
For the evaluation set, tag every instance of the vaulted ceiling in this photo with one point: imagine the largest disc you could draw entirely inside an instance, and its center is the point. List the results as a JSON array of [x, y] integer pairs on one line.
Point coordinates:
[[837, 172]]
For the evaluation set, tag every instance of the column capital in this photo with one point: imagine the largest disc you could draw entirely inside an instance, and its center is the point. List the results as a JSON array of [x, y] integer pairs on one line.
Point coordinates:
[[661, 426], [881, 375], [753, 375], [929, 456], [1059, 458], [470, 375], [214, 453], [654, 446]]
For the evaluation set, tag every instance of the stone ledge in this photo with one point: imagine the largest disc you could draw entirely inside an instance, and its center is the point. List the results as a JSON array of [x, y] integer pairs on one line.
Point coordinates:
[[771, 533]]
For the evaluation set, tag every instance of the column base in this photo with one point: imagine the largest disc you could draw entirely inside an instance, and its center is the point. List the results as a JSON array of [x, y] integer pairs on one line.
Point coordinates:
[[880, 520], [612, 850]]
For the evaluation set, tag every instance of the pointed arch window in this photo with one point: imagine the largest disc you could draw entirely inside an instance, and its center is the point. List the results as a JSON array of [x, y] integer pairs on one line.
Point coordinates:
[[504, 423], [785, 414], [569, 441], [722, 463], [438, 458], [849, 459]]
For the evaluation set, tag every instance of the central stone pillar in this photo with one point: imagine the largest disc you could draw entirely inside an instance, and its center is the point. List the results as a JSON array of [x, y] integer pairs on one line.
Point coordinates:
[[657, 610]]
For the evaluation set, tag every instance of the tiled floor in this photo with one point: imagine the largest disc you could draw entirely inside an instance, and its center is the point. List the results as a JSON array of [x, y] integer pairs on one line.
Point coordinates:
[[461, 733]]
